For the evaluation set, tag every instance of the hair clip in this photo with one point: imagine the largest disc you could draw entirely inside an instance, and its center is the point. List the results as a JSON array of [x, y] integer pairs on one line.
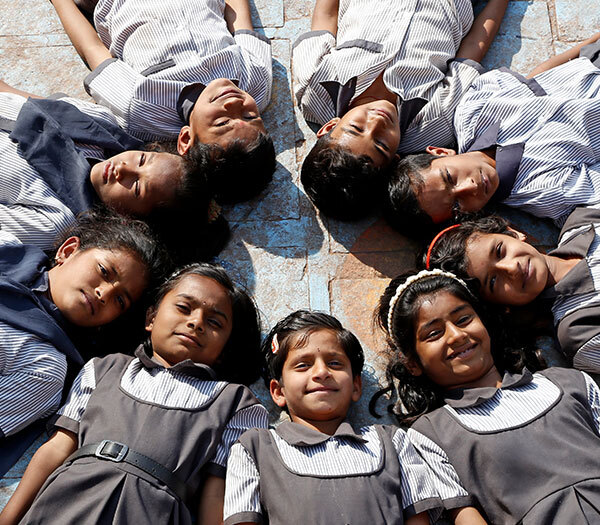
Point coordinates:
[[275, 344]]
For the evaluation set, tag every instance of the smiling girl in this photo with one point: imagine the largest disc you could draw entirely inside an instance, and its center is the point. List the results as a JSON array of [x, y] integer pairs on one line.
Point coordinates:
[[145, 439], [510, 271], [523, 445]]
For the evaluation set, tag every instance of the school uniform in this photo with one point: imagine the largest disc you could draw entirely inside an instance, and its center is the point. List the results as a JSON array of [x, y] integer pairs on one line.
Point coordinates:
[[180, 418], [546, 132], [412, 42], [47, 148], [576, 297], [294, 474], [165, 54], [35, 349], [528, 451]]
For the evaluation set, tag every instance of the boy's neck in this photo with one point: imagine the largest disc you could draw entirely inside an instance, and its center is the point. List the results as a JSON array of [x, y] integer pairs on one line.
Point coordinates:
[[558, 268], [376, 91], [325, 427]]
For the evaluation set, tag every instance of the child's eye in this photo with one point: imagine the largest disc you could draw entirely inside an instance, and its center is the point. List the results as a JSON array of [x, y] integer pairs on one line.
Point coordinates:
[[103, 270], [222, 123], [499, 250], [142, 159], [492, 284], [464, 320], [182, 307], [136, 187], [449, 178], [121, 302], [250, 117], [383, 145], [356, 128], [215, 322], [301, 366]]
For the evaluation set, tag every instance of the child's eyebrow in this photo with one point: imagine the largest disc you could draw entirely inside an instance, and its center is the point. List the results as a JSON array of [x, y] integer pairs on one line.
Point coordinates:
[[195, 302], [377, 148]]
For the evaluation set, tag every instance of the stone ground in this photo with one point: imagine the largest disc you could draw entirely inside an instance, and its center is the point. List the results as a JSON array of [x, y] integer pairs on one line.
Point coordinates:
[[281, 249]]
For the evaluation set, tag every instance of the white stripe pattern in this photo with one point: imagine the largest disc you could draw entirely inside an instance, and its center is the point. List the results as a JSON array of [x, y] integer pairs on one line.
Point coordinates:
[[560, 168], [593, 398], [184, 41], [29, 209], [80, 393], [588, 356], [255, 416], [242, 490], [509, 407], [32, 374], [411, 41]]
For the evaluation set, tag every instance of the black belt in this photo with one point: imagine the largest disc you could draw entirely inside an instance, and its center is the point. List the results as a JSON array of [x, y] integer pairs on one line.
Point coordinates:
[[120, 453]]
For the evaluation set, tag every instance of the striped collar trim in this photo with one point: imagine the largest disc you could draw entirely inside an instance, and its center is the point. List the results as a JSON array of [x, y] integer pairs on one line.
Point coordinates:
[[470, 397], [187, 367], [298, 435]]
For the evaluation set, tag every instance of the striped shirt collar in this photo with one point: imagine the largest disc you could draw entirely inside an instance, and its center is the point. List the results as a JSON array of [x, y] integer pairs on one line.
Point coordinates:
[[298, 435], [470, 397], [579, 279], [187, 367], [508, 159]]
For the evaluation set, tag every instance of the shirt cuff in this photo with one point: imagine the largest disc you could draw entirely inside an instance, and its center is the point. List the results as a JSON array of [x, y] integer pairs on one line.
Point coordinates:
[[244, 517], [314, 34], [58, 421]]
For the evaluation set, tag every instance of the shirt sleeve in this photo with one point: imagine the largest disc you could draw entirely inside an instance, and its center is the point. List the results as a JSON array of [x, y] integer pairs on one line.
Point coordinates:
[[259, 63], [255, 416], [242, 488], [593, 398], [96, 111], [69, 415], [308, 52], [444, 477], [32, 375], [10, 105]]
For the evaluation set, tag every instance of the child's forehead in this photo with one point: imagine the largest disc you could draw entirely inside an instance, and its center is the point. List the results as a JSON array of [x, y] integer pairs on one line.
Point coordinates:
[[313, 341]]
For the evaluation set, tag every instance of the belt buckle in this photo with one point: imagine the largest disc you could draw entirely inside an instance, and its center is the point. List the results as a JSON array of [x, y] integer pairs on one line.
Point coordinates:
[[105, 455]]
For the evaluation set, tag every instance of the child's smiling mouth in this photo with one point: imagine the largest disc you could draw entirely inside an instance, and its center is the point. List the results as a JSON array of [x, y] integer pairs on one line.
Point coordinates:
[[461, 354]]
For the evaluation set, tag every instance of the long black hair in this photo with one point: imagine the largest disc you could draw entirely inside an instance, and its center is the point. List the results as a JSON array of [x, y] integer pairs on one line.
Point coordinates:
[[418, 395]]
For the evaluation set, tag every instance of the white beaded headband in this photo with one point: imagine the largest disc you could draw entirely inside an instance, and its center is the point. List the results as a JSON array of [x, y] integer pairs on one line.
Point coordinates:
[[423, 274]]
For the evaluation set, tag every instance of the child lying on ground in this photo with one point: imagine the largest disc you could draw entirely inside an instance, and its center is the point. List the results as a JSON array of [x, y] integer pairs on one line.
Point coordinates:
[[317, 468]]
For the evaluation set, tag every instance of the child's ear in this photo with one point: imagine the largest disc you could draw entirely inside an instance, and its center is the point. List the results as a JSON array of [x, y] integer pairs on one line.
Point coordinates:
[[327, 127], [413, 367], [185, 140], [150, 315], [66, 249], [517, 234], [440, 152], [356, 387], [277, 394]]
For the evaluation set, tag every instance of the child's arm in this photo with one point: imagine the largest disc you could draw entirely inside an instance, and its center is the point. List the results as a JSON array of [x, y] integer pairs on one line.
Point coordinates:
[[210, 508], [7, 88], [237, 15], [479, 38], [44, 462], [562, 58], [467, 516], [418, 519], [325, 16], [81, 33]]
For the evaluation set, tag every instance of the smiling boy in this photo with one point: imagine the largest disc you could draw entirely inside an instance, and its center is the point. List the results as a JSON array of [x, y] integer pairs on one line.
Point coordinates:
[[529, 143], [381, 77]]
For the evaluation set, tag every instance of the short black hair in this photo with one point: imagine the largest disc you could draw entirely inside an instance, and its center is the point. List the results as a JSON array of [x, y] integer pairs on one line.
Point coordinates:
[[242, 169], [340, 184], [401, 207], [293, 332], [105, 229], [183, 224], [240, 360]]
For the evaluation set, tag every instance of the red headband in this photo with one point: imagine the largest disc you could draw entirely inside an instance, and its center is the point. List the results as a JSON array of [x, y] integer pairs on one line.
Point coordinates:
[[435, 239]]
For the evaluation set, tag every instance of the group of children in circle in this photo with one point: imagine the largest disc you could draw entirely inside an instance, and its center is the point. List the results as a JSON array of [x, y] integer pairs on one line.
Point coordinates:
[[173, 431]]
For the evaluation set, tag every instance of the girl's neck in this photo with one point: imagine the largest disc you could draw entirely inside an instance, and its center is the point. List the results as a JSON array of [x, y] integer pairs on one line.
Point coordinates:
[[558, 268], [325, 427], [376, 91], [491, 378]]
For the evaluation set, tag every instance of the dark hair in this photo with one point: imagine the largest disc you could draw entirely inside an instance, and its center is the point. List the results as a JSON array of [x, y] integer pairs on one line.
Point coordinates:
[[242, 169], [183, 224], [340, 184], [418, 395], [401, 207], [104, 229], [293, 332], [240, 359]]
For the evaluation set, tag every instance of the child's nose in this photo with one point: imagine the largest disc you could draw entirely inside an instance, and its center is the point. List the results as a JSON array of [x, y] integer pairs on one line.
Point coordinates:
[[195, 321], [467, 186], [455, 333]]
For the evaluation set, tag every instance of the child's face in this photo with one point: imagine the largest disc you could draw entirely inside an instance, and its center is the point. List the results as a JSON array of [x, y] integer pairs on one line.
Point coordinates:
[[451, 341], [316, 382], [193, 321], [93, 287], [370, 129], [222, 113], [453, 183], [135, 182], [509, 270]]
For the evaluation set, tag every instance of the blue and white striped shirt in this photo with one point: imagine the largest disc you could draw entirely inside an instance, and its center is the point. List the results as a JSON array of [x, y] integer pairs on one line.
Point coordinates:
[[560, 165], [412, 42], [162, 47]]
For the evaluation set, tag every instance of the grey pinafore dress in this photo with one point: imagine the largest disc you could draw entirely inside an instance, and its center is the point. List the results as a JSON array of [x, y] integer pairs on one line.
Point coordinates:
[[96, 491], [543, 471]]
